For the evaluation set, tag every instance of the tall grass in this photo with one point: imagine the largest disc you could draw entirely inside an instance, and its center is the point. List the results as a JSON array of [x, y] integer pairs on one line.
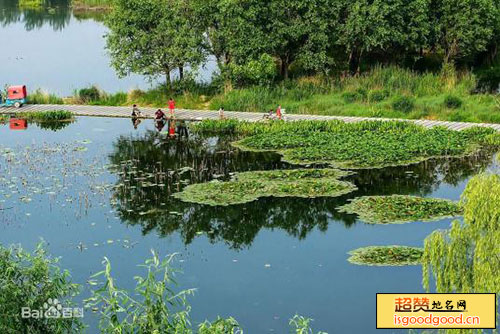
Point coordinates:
[[41, 97], [378, 93]]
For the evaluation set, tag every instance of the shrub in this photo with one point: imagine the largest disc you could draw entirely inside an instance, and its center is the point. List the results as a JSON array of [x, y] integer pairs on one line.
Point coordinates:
[[256, 72], [377, 95], [30, 280], [351, 97], [404, 104], [89, 94], [452, 102]]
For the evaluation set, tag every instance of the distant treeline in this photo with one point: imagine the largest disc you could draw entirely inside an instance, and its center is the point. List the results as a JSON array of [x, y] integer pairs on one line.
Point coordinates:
[[255, 41]]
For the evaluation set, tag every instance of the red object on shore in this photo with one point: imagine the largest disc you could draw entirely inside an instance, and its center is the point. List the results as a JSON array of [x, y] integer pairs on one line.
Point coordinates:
[[17, 92], [278, 112], [18, 124], [171, 105]]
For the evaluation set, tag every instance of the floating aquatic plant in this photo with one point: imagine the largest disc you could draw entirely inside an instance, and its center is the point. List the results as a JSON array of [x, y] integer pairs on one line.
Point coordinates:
[[249, 186], [46, 116], [369, 144], [386, 256], [400, 209]]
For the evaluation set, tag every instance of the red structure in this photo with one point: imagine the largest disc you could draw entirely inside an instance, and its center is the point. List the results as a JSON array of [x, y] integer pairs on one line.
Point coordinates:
[[17, 93], [18, 124]]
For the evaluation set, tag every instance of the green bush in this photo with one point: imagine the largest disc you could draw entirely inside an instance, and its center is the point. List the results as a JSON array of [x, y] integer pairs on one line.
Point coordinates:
[[30, 280], [403, 104], [452, 102], [89, 94], [256, 72], [377, 95], [351, 97]]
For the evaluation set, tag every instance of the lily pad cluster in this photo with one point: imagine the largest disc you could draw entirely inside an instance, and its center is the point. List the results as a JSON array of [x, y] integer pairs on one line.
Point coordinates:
[[386, 256], [401, 209], [249, 186]]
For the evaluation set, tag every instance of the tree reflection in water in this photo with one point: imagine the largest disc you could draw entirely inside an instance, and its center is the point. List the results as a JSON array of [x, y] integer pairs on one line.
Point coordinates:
[[54, 13], [152, 167]]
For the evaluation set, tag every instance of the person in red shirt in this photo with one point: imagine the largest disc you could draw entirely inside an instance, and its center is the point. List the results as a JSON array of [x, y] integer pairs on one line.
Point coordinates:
[[278, 112], [171, 106]]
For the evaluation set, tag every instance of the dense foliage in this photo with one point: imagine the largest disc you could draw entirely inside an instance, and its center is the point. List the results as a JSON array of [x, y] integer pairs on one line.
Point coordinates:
[[249, 186], [465, 258], [400, 209], [29, 280], [353, 145], [316, 36], [386, 256]]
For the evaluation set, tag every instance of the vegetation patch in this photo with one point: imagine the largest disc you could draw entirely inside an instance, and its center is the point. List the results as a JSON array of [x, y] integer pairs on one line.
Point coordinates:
[[369, 144], [400, 209], [386, 256], [46, 116], [249, 186]]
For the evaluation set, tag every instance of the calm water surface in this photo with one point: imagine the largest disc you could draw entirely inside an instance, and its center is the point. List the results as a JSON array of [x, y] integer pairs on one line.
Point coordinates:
[[59, 51], [101, 188]]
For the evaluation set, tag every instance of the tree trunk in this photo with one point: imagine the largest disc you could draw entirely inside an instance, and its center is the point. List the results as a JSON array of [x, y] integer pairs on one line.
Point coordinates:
[[354, 62], [167, 77], [285, 64], [181, 72]]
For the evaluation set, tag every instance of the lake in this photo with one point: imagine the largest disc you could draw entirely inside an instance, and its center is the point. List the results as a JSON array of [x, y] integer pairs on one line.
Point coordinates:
[[99, 187], [60, 51]]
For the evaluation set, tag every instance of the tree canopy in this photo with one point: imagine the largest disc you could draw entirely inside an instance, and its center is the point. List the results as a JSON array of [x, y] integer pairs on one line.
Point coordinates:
[[246, 37]]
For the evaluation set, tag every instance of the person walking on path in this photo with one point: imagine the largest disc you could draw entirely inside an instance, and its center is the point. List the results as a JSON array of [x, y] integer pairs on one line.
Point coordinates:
[[171, 107], [221, 113], [278, 112]]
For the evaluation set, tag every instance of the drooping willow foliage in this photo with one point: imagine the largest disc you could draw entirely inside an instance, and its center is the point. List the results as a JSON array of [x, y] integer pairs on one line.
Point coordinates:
[[466, 258]]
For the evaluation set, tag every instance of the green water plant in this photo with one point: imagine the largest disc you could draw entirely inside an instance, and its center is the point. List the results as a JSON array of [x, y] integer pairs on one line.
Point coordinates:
[[31, 4], [249, 186], [46, 116], [368, 144], [386, 256], [400, 209]]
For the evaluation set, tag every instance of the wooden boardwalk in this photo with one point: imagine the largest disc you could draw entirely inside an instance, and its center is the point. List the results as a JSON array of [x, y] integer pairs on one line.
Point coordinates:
[[198, 115]]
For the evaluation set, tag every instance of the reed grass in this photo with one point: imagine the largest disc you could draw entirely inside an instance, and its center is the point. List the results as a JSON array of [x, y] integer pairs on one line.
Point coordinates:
[[41, 97]]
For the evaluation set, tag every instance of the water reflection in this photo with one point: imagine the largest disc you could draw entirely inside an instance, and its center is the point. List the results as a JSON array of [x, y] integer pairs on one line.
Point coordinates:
[[152, 167], [54, 13]]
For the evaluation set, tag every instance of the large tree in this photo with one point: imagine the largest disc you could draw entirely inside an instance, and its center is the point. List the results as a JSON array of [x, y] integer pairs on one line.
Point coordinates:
[[463, 27], [366, 26], [299, 31], [154, 37]]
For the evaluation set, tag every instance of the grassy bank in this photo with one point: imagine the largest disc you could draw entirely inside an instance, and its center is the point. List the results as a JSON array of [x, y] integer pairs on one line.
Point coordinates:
[[384, 92]]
